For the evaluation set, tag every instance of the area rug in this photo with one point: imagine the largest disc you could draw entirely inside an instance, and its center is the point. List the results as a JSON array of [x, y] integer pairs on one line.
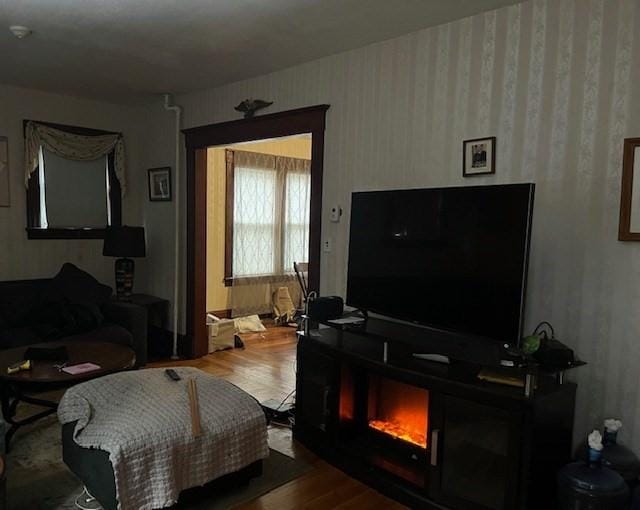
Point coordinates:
[[38, 479]]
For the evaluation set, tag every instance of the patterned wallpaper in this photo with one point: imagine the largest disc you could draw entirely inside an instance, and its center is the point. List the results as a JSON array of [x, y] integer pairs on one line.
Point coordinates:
[[553, 80], [21, 258]]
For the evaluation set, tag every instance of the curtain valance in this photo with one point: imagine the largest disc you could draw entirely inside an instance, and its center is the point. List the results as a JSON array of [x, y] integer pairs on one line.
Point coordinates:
[[72, 146]]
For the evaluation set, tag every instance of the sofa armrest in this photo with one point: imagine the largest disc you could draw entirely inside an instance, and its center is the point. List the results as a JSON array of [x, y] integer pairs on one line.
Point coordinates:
[[134, 319]]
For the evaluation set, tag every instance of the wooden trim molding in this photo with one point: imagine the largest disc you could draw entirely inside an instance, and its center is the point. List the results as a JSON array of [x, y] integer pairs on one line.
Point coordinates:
[[65, 233], [627, 199], [229, 212], [197, 140], [222, 314], [198, 280]]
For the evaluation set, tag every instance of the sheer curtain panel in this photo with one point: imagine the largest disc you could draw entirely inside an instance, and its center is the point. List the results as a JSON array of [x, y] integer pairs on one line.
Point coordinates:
[[271, 196]]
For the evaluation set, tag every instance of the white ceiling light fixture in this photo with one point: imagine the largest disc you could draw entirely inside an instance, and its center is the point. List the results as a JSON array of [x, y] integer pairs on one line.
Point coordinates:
[[20, 31]]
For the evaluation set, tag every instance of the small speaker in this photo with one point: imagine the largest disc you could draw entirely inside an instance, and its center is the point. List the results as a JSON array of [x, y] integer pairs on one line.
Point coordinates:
[[325, 308]]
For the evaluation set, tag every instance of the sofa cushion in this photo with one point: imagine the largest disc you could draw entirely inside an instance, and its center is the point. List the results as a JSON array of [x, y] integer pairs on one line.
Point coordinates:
[[19, 337], [105, 333], [86, 316], [64, 317], [54, 313], [79, 287]]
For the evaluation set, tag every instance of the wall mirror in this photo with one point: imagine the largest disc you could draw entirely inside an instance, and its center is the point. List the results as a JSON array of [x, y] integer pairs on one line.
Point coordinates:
[[71, 194]]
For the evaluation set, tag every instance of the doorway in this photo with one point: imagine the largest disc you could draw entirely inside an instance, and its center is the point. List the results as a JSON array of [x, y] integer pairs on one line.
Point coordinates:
[[258, 199], [198, 142]]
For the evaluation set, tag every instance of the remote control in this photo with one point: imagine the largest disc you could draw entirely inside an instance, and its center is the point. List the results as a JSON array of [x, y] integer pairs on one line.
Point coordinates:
[[172, 374]]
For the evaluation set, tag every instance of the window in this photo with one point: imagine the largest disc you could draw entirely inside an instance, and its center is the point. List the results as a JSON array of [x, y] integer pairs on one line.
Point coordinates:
[[72, 199], [89, 205], [297, 211], [267, 216]]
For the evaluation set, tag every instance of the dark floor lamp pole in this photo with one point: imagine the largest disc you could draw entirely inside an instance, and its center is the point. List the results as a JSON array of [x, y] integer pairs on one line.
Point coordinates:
[[124, 242]]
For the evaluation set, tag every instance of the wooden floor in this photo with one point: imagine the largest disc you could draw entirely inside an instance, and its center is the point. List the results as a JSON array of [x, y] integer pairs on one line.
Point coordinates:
[[266, 369]]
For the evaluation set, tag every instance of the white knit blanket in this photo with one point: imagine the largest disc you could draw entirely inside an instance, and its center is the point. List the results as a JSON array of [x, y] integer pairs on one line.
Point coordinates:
[[142, 419]]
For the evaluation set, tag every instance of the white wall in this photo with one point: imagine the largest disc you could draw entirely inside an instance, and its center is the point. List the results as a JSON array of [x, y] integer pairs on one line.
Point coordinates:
[[553, 81], [22, 258], [158, 150]]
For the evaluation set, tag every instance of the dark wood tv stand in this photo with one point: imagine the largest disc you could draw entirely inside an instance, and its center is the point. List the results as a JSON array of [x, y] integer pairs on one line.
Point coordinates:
[[464, 443]]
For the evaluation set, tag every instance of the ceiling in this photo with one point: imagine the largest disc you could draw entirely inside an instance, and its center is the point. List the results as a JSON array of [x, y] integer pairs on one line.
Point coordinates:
[[124, 50]]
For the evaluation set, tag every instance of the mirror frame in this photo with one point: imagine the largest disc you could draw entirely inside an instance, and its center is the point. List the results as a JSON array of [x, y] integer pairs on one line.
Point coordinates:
[[627, 199]]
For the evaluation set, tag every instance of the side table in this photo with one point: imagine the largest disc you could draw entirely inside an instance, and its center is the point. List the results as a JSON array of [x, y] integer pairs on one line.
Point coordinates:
[[158, 323]]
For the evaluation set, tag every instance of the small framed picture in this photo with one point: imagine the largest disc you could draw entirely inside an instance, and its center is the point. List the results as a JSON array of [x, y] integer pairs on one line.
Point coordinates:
[[479, 156], [629, 227], [160, 184]]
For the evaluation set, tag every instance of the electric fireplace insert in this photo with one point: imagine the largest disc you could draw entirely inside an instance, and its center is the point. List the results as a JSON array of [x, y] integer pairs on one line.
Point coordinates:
[[388, 419]]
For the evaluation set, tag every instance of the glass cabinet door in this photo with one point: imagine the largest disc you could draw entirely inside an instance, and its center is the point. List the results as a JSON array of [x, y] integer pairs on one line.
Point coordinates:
[[316, 399], [478, 458]]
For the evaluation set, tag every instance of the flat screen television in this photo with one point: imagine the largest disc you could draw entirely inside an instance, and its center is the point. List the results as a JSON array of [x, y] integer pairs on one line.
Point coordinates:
[[451, 258]]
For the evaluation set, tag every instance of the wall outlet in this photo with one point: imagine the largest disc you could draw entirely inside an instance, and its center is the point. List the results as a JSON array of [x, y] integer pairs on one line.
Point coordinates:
[[326, 245]]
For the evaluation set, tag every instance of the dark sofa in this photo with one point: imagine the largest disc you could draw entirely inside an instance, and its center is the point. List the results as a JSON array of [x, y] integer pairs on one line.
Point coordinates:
[[71, 306]]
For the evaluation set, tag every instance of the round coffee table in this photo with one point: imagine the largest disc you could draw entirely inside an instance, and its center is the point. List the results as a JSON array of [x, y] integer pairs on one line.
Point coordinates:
[[46, 376]]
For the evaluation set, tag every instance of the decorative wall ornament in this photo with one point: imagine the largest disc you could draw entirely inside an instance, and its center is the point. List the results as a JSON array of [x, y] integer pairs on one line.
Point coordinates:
[[250, 106], [629, 227], [4, 172], [479, 156], [160, 184]]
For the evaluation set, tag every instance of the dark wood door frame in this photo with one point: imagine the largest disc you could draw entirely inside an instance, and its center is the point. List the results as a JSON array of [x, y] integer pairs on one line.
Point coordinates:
[[197, 141]]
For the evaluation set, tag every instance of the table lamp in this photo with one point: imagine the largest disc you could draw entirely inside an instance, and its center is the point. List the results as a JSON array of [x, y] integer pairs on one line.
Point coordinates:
[[124, 242]]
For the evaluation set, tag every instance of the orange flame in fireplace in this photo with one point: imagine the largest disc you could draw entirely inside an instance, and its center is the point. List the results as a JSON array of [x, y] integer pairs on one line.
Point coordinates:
[[396, 430]]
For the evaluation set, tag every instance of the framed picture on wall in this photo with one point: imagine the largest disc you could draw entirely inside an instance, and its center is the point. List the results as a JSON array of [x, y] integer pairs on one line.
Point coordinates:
[[629, 227], [160, 184], [4, 172], [479, 156]]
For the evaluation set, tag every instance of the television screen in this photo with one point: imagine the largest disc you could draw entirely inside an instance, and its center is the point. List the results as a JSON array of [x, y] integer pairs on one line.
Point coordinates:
[[450, 258]]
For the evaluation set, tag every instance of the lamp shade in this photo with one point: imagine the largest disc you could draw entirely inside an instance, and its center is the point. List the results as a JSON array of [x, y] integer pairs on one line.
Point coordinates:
[[124, 242]]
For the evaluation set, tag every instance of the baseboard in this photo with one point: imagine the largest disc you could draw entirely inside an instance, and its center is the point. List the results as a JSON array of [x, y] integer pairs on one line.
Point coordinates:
[[222, 314], [226, 314]]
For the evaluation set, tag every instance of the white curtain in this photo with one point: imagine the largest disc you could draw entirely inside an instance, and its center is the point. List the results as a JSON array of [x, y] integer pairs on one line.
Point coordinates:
[[297, 191], [270, 227], [257, 205], [71, 146]]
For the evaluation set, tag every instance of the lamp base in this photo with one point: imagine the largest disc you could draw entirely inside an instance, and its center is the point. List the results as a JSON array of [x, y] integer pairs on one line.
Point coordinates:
[[125, 269]]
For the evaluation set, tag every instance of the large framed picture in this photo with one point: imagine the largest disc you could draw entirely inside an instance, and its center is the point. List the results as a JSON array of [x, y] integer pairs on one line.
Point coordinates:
[[160, 184], [479, 156], [629, 227], [4, 172]]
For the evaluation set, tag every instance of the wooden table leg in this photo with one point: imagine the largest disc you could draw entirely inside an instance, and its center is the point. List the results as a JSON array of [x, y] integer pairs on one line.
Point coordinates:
[[10, 400]]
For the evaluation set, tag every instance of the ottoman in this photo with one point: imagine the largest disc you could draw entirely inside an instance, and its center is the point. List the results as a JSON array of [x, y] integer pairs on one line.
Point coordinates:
[[128, 436]]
